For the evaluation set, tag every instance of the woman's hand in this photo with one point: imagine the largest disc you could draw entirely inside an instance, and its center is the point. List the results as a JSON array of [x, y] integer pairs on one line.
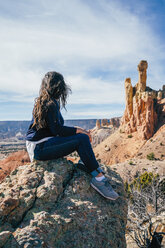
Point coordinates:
[[81, 130]]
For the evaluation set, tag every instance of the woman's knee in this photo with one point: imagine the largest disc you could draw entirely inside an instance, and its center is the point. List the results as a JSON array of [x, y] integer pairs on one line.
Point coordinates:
[[83, 137]]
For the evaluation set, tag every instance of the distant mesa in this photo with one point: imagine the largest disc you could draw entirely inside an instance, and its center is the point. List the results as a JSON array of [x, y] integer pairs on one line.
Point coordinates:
[[113, 122], [145, 107]]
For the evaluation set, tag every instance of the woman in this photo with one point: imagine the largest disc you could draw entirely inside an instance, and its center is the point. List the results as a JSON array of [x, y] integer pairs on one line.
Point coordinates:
[[47, 138]]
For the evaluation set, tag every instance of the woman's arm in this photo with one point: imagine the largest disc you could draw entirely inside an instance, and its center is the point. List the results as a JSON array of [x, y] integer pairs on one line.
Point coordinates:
[[55, 125]]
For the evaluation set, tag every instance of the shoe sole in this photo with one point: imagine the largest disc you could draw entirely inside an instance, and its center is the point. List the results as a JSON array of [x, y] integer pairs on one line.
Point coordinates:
[[104, 195]]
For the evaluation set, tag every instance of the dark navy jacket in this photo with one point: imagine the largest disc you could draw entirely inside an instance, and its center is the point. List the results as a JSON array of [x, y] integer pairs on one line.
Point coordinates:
[[55, 126]]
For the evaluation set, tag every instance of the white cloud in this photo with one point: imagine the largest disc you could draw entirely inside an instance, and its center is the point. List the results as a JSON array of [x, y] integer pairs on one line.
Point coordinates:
[[74, 38], [95, 91]]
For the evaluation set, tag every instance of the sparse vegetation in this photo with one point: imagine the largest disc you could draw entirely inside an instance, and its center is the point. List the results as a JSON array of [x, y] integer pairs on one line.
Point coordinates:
[[141, 182], [121, 131], [161, 143], [131, 162], [130, 136], [151, 156], [145, 201]]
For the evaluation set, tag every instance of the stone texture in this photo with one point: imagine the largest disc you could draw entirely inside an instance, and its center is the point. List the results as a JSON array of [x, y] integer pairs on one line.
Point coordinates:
[[51, 204], [142, 68], [160, 109], [99, 135], [115, 122], [141, 112], [7, 165], [160, 95], [129, 98], [104, 122], [98, 124]]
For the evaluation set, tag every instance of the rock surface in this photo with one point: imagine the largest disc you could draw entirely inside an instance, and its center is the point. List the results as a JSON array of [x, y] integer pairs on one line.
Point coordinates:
[[51, 204], [121, 147], [142, 106], [132, 168], [156, 145], [113, 122], [15, 159], [99, 135]]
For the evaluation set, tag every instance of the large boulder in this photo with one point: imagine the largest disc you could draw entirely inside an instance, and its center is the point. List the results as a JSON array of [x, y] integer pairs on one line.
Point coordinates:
[[51, 204]]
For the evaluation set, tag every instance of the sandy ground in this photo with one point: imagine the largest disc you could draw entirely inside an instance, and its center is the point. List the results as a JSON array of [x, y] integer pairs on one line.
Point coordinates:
[[156, 144], [118, 147], [130, 169]]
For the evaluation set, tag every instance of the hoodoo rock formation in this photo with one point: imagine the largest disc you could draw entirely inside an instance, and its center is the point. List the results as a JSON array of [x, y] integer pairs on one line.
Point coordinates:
[[113, 122], [104, 122], [51, 204], [142, 105], [98, 125]]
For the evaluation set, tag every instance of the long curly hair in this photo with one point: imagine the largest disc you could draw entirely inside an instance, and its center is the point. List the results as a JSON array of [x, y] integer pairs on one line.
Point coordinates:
[[53, 86]]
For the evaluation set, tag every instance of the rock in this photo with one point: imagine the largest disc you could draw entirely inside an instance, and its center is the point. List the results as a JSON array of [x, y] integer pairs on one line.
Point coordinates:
[[4, 236], [129, 97], [142, 109], [115, 122], [10, 163], [104, 122], [142, 68], [98, 135], [163, 90], [7, 240], [54, 206], [160, 94], [160, 109], [107, 148], [98, 125]]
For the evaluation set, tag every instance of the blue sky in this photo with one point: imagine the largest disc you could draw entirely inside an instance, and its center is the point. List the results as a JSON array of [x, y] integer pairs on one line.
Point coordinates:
[[94, 44]]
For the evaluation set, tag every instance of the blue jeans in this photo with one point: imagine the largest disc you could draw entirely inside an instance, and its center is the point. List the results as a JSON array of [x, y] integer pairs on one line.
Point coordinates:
[[58, 147]]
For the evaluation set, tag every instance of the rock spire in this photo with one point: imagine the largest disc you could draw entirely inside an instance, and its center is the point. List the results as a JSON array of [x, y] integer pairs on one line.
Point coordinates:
[[142, 105]]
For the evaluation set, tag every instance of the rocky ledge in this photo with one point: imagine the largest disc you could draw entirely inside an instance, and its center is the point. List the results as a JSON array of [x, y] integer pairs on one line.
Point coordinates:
[[51, 204]]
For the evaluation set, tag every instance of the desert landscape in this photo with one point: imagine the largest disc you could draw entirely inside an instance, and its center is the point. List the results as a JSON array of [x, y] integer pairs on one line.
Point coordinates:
[[131, 150]]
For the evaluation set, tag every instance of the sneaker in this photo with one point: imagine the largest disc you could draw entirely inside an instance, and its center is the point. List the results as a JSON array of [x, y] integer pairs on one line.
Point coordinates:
[[104, 188]]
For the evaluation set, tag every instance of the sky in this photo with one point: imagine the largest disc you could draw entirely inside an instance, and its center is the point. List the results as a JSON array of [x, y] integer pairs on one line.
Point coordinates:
[[94, 44]]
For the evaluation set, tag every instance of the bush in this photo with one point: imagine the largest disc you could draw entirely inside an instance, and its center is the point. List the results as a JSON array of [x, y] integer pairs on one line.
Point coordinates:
[[141, 182], [131, 162], [130, 136], [151, 156]]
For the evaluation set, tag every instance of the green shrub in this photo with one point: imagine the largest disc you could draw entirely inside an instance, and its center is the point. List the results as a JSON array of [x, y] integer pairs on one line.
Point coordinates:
[[151, 156], [131, 162], [130, 136], [141, 182]]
